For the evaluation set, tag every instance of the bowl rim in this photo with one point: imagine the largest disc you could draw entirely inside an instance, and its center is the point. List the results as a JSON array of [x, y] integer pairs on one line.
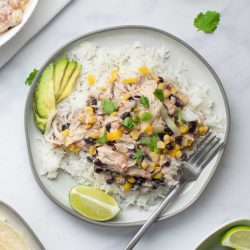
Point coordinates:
[[24, 223], [86, 35]]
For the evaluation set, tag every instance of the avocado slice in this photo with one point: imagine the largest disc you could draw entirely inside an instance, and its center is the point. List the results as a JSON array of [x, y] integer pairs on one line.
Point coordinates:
[[40, 122], [44, 93], [60, 68], [71, 84], [68, 73]]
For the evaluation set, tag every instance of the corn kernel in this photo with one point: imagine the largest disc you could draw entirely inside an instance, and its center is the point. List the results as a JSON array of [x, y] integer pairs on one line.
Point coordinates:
[[91, 79], [91, 119], [87, 126], [113, 77], [126, 186], [144, 164], [82, 118], [157, 176], [94, 135], [154, 156], [136, 110], [144, 70], [89, 109], [126, 96], [65, 132], [115, 113], [178, 154], [167, 138], [161, 86], [173, 90], [74, 148], [92, 150], [202, 129], [166, 93], [171, 153], [152, 168], [129, 80], [115, 135], [134, 134], [177, 147], [161, 144], [184, 129], [184, 142], [149, 129], [131, 180]]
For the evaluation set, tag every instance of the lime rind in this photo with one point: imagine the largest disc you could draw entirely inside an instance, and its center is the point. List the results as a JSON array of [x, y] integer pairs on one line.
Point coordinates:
[[237, 237]]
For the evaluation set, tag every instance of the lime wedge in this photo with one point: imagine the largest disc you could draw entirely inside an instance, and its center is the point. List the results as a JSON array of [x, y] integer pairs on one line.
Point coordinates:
[[237, 237], [93, 203]]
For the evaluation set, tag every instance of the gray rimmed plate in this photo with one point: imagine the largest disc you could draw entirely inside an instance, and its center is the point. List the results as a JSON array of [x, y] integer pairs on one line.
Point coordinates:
[[198, 69], [18, 223]]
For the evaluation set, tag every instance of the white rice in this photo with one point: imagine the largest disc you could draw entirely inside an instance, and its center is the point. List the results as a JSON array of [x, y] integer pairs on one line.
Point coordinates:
[[127, 59]]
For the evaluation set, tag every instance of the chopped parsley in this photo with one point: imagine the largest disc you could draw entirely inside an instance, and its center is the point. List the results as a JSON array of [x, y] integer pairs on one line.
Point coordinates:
[[102, 139], [137, 120], [108, 106], [144, 101], [158, 93], [128, 123], [151, 142], [138, 155], [207, 22], [31, 77], [145, 116]]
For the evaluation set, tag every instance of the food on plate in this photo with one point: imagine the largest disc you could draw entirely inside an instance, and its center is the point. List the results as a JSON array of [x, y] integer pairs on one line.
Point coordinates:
[[237, 238], [11, 13], [11, 239], [93, 203], [126, 125], [55, 84]]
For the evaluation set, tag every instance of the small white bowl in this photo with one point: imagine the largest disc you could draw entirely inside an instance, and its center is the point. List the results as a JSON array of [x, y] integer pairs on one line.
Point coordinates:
[[6, 36], [213, 241]]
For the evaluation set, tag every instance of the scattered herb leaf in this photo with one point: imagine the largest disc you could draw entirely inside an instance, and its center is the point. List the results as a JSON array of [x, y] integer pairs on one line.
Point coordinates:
[[102, 139], [137, 120], [109, 106], [150, 142], [158, 93], [31, 77], [180, 118], [128, 123], [145, 116], [138, 155], [207, 22], [144, 101]]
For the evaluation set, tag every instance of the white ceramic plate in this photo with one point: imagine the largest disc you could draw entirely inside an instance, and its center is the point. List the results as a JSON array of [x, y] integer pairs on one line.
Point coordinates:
[[213, 241], [17, 222], [198, 69], [6, 36]]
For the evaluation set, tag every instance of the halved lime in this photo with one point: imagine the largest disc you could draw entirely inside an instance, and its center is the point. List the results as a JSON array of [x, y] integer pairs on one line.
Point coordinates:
[[93, 203], [237, 237]]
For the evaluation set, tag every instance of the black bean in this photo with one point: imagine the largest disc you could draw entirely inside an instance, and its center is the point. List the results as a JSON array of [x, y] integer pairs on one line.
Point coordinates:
[[89, 140], [108, 127], [166, 163], [168, 130], [192, 126], [169, 146], [155, 184], [146, 156], [125, 115], [184, 157], [98, 162], [110, 143], [65, 126], [137, 96], [160, 79], [161, 135], [131, 98], [93, 101], [178, 139], [110, 181], [139, 180], [179, 102], [98, 169]]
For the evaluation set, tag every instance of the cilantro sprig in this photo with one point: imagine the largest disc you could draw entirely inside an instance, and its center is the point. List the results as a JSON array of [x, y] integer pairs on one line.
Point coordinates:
[[207, 22], [151, 142], [144, 101], [145, 116], [102, 139], [158, 93], [138, 155], [31, 77], [128, 123], [108, 106]]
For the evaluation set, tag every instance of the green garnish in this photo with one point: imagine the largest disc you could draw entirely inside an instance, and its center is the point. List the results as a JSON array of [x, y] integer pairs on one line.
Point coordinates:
[[151, 142], [102, 139], [31, 77], [144, 101], [128, 123], [207, 22], [137, 120], [109, 106], [138, 155], [180, 118], [158, 93], [145, 116]]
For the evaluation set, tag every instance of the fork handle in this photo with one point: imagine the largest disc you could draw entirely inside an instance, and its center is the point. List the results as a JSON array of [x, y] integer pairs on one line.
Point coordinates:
[[153, 217]]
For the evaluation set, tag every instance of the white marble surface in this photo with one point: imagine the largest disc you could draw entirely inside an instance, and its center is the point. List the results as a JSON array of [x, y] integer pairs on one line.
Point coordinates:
[[227, 50]]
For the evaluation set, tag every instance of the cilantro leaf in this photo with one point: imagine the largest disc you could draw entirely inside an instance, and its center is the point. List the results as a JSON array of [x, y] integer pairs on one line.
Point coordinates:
[[180, 118], [128, 123], [151, 142], [207, 22], [158, 93], [137, 120], [102, 139], [109, 106], [31, 77], [144, 101], [138, 155], [145, 116]]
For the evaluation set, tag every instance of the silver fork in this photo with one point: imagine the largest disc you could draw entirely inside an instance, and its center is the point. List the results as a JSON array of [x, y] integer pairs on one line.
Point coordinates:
[[206, 149]]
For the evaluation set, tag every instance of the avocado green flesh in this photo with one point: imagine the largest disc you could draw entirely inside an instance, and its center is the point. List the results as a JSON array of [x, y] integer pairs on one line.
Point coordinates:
[[45, 94], [60, 68], [40, 122], [68, 73], [71, 84]]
